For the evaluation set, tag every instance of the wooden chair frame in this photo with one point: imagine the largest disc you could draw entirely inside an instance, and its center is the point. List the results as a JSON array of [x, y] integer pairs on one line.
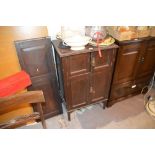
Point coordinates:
[[32, 97]]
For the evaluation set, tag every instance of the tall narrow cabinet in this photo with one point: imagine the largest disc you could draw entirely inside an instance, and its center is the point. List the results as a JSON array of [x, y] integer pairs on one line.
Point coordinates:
[[36, 58], [84, 77]]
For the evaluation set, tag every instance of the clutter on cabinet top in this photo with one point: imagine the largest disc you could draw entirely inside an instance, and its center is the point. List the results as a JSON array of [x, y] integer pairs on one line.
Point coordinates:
[[122, 32], [96, 32], [73, 37], [152, 31], [77, 42], [106, 42], [130, 32]]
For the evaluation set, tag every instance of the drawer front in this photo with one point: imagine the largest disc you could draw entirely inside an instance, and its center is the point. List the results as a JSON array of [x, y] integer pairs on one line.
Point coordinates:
[[79, 64], [124, 90], [130, 47]]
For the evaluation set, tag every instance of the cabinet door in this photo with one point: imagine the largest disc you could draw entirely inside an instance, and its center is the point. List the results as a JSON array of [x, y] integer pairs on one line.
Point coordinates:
[[127, 61], [147, 63], [78, 91], [76, 72], [101, 75], [35, 57]]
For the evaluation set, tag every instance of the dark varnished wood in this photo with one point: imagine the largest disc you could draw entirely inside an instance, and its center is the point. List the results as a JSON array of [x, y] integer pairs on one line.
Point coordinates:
[[36, 58], [101, 75], [78, 90], [68, 52], [126, 65], [84, 77], [134, 68]]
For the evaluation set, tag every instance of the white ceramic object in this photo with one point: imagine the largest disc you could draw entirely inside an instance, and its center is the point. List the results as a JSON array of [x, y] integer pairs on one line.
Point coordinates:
[[77, 42]]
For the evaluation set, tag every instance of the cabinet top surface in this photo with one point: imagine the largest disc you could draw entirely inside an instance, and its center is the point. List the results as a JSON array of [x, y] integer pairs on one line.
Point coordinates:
[[132, 41], [88, 48]]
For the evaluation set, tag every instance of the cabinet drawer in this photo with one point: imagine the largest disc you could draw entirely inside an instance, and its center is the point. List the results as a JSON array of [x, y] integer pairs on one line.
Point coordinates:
[[126, 89], [130, 47]]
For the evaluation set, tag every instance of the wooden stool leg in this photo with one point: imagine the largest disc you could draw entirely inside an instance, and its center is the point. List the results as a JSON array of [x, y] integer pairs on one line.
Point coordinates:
[[69, 116], [42, 116]]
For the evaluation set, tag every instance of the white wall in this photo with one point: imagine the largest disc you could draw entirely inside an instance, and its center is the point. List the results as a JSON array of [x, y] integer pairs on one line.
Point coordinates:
[[53, 30]]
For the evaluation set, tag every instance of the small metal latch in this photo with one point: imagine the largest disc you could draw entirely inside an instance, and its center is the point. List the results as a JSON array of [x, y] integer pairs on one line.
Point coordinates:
[[93, 62], [91, 90], [133, 86]]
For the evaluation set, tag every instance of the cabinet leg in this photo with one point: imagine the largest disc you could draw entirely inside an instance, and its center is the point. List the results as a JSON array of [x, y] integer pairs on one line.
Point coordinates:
[[104, 104], [69, 116]]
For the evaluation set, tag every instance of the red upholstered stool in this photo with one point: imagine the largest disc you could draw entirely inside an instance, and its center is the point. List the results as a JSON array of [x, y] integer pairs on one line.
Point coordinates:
[[14, 83]]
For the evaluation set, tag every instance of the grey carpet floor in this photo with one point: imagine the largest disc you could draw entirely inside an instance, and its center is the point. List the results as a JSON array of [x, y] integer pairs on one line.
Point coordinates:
[[127, 114]]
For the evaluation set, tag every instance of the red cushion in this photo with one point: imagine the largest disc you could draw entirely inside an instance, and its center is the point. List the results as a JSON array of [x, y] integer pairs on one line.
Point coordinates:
[[14, 83]]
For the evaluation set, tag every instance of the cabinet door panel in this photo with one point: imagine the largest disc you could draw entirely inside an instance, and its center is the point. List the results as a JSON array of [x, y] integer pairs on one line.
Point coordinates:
[[127, 63], [100, 85], [147, 66], [33, 56], [101, 75], [79, 64], [78, 90]]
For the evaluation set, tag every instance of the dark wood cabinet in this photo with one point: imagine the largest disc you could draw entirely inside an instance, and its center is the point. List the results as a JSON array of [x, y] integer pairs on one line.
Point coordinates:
[[134, 68], [84, 77], [36, 58]]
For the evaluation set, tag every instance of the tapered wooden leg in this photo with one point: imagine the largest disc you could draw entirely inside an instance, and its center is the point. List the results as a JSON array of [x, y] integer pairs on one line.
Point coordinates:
[[42, 117], [69, 116]]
